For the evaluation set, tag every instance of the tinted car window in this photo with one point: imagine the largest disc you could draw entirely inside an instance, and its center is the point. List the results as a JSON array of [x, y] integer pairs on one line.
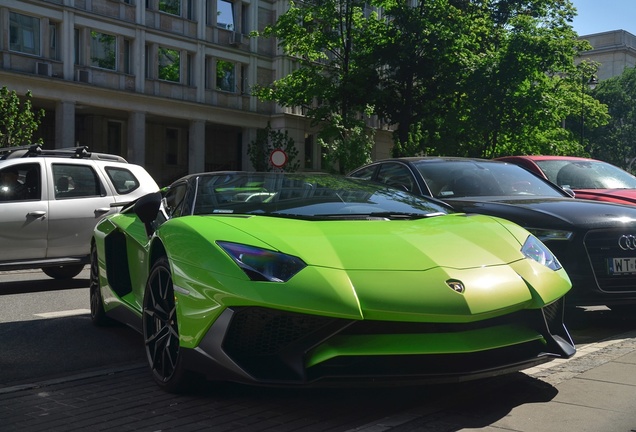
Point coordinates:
[[587, 175], [74, 181], [396, 175], [365, 173], [471, 178], [174, 200], [122, 179], [20, 182]]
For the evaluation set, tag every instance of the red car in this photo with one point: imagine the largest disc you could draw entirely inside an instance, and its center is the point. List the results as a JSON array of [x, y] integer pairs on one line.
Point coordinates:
[[587, 178]]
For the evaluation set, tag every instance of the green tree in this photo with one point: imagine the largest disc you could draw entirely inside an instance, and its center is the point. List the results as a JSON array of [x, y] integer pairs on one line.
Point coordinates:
[[616, 141], [330, 42], [423, 54], [18, 119], [267, 140], [484, 77], [454, 77]]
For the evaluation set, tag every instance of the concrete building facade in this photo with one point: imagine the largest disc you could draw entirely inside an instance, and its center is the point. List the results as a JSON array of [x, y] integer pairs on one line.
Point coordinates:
[[164, 83], [613, 50]]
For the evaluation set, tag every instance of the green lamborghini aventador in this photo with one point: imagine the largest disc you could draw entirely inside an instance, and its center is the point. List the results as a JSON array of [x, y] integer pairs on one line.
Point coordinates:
[[312, 279]]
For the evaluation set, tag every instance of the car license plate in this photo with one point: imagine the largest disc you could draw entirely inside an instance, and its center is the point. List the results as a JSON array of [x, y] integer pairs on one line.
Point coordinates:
[[621, 266]]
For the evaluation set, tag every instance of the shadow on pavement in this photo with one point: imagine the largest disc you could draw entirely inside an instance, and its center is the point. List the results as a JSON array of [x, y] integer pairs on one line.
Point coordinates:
[[41, 349], [44, 284]]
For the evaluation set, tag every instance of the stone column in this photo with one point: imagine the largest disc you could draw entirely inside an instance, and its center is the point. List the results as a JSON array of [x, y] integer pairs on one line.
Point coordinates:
[[196, 147], [137, 138], [65, 124], [67, 40]]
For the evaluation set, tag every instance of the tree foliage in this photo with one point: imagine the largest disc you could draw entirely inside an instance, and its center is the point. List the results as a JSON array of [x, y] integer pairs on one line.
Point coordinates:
[[490, 77], [18, 119], [453, 77], [330, 42], [616, 141]]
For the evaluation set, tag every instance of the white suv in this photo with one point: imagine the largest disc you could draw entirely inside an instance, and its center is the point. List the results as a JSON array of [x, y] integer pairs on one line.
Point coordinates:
[[50, 201]]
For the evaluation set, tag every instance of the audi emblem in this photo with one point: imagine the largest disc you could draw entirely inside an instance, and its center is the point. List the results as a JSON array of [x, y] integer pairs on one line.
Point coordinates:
[[627, 242]]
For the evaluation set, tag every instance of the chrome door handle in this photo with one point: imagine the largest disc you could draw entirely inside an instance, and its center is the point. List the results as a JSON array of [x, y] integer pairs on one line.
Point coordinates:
[[37, 214]]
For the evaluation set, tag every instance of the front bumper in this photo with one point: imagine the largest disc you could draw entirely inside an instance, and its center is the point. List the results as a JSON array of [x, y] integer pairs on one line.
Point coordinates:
[[270, 347]]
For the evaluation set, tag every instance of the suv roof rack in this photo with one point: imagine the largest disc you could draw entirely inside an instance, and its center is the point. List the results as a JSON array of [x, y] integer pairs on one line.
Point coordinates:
[[32, 150]]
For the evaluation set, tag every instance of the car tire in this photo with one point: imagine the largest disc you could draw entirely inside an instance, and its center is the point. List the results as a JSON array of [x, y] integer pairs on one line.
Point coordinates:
[[63, 272], [161, 331], [98, 313]]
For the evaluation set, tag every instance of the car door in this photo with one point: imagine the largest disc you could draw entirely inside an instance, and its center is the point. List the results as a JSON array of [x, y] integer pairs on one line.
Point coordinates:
[[78, 201], [23, 211]]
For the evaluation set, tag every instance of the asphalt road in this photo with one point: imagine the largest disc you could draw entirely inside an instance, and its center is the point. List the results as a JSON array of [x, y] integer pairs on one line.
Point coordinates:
[[46, 330]]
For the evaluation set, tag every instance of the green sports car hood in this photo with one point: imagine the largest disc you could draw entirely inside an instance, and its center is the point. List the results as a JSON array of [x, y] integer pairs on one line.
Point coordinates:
[[457, 241], [352, 263]]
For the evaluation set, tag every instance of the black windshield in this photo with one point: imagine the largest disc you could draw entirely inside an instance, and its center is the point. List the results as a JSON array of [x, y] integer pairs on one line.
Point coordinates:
[[306, 195]]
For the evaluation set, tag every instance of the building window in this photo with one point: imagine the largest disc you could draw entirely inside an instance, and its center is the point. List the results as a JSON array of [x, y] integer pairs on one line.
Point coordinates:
[[244, 82], [172, 7], [126, 56], [24, 33], [76, 48], [169, 64], [103, 50], [53, 41], [172, 146], [147, 63], [190, 69], [225, 77], [244, 14], [225, 15]]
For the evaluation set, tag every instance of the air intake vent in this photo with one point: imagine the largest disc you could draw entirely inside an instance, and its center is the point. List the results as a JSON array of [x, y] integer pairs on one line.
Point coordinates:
[[43, 68], [84, 76]]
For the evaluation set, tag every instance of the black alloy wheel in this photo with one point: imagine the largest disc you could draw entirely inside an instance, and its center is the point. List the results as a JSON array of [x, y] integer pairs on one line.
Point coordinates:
[[161, 330]]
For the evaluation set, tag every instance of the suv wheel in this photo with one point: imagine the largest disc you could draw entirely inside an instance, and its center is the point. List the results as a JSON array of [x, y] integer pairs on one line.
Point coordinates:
[[63, 272]]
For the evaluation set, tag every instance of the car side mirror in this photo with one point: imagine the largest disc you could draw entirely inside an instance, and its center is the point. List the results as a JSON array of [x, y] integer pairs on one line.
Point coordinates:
[[146, 208]]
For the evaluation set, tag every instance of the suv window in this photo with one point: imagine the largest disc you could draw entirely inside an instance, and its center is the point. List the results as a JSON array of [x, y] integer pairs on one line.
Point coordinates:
[[20, 182], [122, 179], [72, 181]]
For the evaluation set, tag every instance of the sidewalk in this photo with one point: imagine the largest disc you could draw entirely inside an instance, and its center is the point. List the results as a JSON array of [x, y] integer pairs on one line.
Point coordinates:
[[595, 392]]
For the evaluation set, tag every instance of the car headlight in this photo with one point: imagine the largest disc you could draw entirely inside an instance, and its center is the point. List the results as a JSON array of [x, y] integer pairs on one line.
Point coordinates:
[[263, 264], [547, 234], [537, 251]]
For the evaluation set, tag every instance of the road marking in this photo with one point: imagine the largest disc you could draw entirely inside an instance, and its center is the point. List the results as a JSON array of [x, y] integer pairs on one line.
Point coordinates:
[[60, 314]]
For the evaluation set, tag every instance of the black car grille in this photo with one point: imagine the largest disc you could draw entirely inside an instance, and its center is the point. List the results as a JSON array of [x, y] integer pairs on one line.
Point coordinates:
[[270, 344], [601, 246]]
